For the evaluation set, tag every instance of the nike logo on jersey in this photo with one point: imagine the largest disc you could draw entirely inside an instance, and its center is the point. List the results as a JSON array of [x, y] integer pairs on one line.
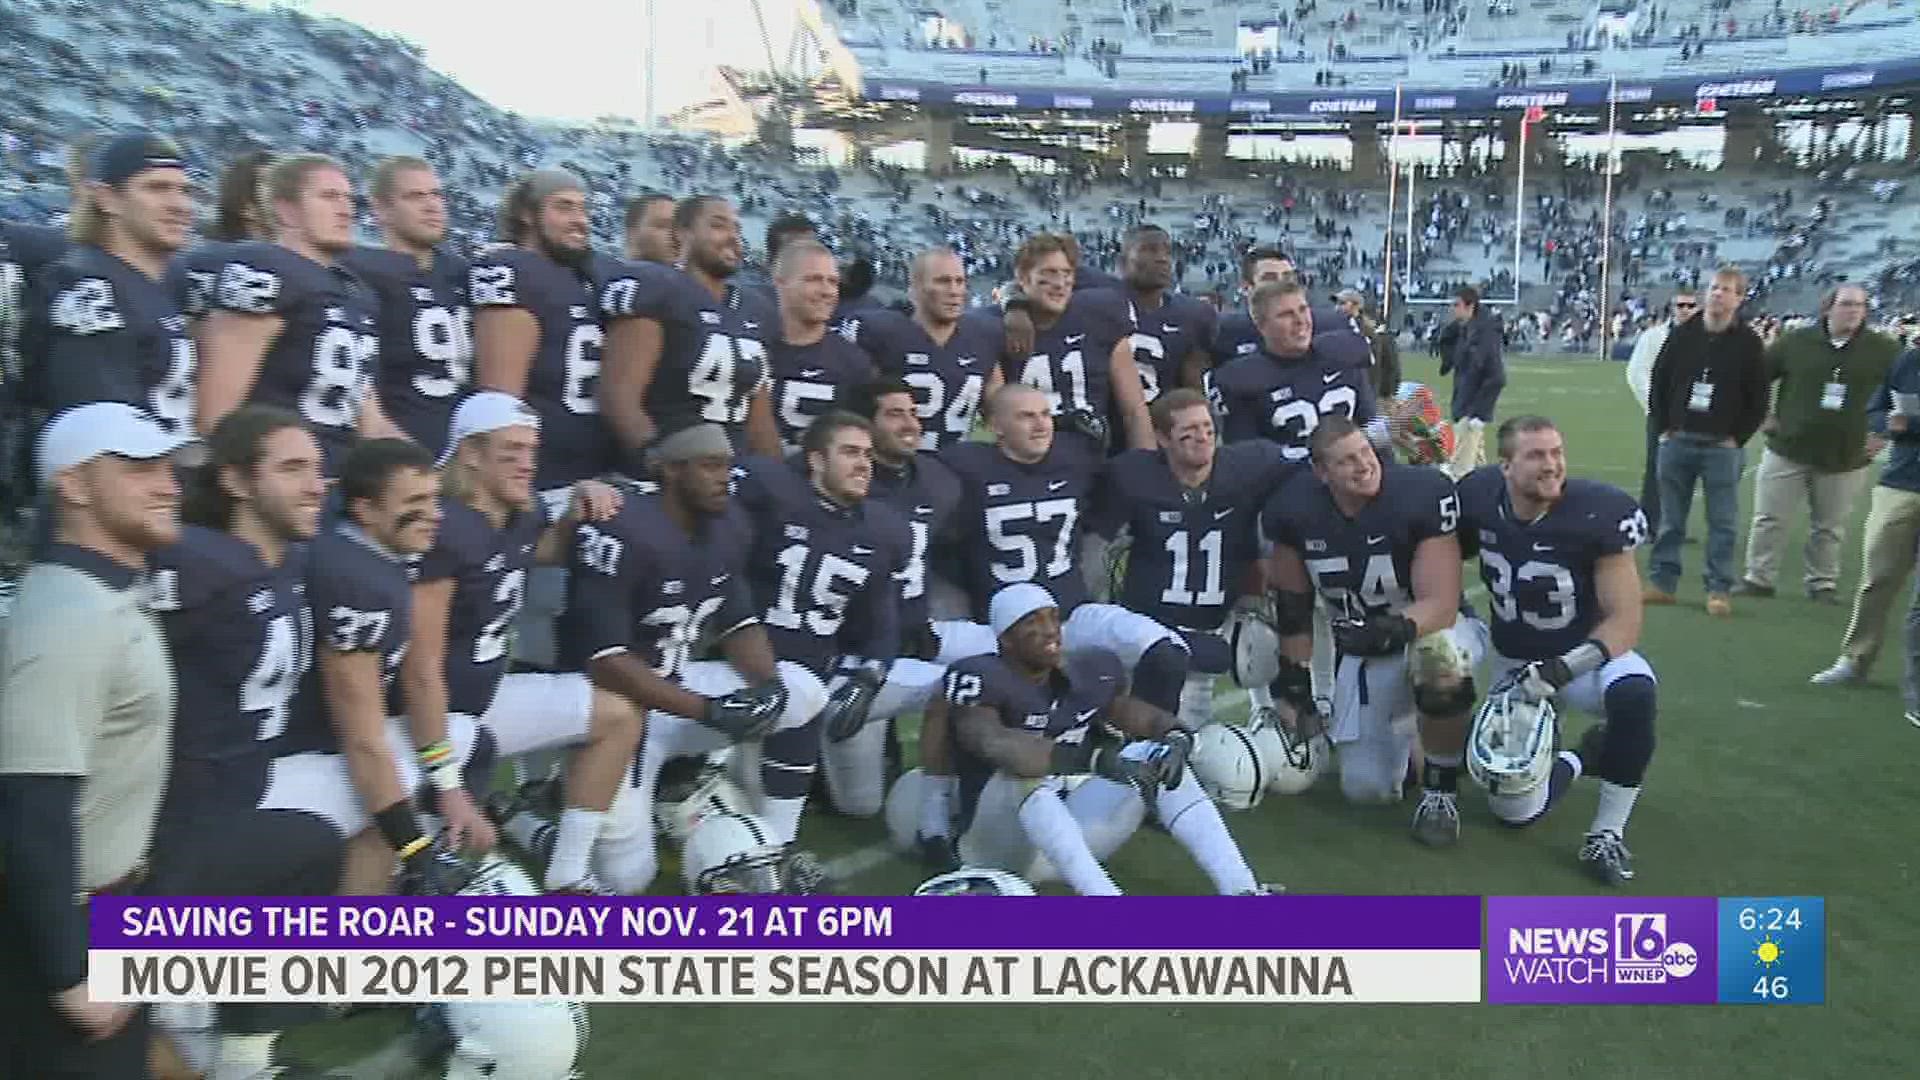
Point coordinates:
[[859, 551], [1056, 485], [1543, 547], [1329, 378], [749, 326], [710, 318], [1221, 515], [923, 510], [964, 361], [811, 373], [1372, 540], [1076, 339], [1083, 717], [721, 580], [1169, 328]]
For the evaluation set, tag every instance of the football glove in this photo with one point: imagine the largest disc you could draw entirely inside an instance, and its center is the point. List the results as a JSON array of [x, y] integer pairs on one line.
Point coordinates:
[[1295, 686], [747, 713], [1179, 744], [850, 700], [1537, 681], [1153, 765], [435, 870], [1380, 634], [1087, 423]]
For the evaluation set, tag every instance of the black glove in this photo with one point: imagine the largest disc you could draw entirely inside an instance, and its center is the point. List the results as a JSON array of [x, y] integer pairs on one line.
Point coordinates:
[[434, 870], [920, 642], [1157, 768], [1179, 743], [1382, 634], [1087, 423], [1294, 685], [747, 713], [850, 700]]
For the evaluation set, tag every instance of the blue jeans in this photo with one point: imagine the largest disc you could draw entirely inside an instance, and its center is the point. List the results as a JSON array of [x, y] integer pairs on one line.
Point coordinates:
[[1684, 460]]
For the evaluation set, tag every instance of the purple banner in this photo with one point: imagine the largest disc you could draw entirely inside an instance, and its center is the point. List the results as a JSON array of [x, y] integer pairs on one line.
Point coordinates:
[[768, 922], [1581, 950]]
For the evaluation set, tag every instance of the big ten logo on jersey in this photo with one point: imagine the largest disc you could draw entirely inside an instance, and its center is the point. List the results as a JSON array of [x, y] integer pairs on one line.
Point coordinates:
[[946, 413], [726, 374], [1148, 354], [1072, 369], [815, 587], [86, 307], [580, 395], [1294, 419], [1643, 953], [344, 355], [444, 339], [1378, 587], [1027, 531]]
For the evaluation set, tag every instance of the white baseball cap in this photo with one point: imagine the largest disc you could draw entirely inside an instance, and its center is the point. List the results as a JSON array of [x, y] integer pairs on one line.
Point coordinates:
[[484, 413], [1016, 602], [85, 432]]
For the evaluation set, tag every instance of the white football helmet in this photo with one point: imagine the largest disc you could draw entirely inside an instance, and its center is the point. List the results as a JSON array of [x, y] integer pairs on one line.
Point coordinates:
[[496, 875], [975, 881], [731, 852], [515, 1040], [1229, 766], [1510, 746], [677, 808], [1292, 761], [1251, 633]]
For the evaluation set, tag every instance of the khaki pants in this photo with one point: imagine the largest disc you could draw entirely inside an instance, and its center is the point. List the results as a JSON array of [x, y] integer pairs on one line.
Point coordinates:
[[1892, 530], [1780, 487], [1467, 440]]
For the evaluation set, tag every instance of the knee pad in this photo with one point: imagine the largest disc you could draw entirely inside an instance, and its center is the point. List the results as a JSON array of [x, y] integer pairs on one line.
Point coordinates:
[[1630, 704], [1160, 675]]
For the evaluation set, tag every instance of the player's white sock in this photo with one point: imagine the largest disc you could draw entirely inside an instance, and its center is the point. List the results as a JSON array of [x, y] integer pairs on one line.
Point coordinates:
[[1046, 821], [531, 832], [572, 845], [1616, 805], [243, 1057], [936, 804], [1197, 826], [783, 817]]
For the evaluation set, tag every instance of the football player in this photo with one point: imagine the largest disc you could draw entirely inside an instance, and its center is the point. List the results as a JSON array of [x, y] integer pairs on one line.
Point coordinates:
[[649, 229], [809, 365], [290, 325], [1172, 331], [1191, 514], [194, 276], [949, 361], [457, 707], [1081, 352], [1029, 719], [827, 569], [109, 330], [665, 574], [1285, 388], [335, 758], [24, 250], [1236, 334], [1021, 515], [426, 325], [537, 338], [1377, 543], [1556, 554], [232, 603], [689, 347]]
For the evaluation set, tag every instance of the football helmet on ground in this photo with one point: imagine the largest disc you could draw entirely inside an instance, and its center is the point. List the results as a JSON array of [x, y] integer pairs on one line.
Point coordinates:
[[731, 852], [1230, 765]]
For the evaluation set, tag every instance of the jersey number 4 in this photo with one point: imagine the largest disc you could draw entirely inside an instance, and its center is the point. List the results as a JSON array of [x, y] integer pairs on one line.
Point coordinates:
[[716, 377], [1379, 584], [943, 420], [285, 654]]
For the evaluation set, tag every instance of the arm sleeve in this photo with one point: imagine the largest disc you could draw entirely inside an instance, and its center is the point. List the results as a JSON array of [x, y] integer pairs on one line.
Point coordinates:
[[41, 853]]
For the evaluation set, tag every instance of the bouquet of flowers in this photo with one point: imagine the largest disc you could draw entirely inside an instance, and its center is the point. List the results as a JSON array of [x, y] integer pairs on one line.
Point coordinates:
[[1420, 430]]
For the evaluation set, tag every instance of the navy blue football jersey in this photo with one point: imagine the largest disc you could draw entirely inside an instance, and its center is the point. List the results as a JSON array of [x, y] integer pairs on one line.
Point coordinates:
[[1072, 359], [926, 492], [807, 378], [24, 250], [1540, 574], [326, 358], [241, 636], [1022, 522], [1191, 547], [563, 380], [1165, 336], [426, 338], [1363, 565], [488, 567], [948, 379], [111, 333], [193, 276], [1087, 276], [1261, 396], [713, 353], [1234, 335], [362, 602], [1065, 708], [639, 583], [826, 578]]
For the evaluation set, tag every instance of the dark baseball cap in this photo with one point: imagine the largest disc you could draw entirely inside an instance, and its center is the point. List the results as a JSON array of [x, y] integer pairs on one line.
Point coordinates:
[[122, 157]]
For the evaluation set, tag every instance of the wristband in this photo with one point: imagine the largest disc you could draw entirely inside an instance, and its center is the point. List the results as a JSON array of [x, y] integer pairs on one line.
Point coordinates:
[[1589, 655], [401, 829], [442, 770]]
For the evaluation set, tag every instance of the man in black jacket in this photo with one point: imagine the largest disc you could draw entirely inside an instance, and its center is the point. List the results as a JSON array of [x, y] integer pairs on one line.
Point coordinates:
[[1709, 394], [1470, 350]]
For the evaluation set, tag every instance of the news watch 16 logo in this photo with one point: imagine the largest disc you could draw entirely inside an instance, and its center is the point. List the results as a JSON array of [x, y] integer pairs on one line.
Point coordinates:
[[1563, 950]]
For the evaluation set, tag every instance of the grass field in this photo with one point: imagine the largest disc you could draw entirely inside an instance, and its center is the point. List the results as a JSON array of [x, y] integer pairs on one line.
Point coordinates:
[[1761, 785]]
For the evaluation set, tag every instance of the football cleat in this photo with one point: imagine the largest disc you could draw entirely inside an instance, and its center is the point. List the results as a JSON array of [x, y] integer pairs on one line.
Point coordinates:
[[1436, 821], [1606, 857]]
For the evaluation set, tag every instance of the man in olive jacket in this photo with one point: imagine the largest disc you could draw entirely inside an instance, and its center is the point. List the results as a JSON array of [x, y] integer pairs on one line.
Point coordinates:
[[1818, 445]]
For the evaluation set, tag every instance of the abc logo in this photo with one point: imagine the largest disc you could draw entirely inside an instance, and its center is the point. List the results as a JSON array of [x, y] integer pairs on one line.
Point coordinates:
[[1680, 960]]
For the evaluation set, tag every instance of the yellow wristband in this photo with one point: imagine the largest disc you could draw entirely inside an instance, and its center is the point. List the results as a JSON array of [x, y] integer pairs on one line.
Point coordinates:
[[416, 847]]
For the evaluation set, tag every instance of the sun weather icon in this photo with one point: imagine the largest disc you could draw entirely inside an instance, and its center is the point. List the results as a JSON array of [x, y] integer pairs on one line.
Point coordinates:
[[1767, 952]]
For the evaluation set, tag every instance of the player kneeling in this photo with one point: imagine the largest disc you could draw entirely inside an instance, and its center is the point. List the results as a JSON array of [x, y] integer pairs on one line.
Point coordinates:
[[1058, 765]]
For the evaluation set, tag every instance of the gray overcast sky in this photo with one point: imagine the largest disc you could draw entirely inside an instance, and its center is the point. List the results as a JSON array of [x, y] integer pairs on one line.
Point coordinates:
[[574, 59]]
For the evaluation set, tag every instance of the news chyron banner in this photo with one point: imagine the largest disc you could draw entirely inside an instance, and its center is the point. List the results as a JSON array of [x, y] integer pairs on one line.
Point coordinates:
[[930, 950], [758, 949]]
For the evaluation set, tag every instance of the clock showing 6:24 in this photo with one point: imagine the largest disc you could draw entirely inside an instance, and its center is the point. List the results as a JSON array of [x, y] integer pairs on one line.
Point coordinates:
[[1773, 950]]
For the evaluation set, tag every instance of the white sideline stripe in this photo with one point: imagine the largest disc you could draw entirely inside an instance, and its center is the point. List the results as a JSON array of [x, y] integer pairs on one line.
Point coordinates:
[[855, 863]]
